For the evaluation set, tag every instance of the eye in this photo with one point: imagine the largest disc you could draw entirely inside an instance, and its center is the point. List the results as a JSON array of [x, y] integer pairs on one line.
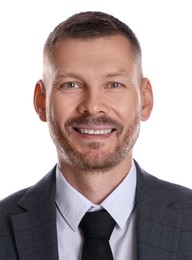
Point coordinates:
[[115, 85], [70, 85]]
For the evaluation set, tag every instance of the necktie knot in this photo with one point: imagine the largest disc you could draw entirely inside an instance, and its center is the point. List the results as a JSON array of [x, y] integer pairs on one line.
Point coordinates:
[[97, 228], [97, 225]]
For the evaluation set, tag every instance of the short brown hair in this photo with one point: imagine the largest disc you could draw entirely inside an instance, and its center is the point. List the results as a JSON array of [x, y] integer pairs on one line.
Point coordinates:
[[91, 24]]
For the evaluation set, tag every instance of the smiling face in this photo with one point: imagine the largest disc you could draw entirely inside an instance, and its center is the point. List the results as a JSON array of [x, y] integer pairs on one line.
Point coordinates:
[[95, 99]]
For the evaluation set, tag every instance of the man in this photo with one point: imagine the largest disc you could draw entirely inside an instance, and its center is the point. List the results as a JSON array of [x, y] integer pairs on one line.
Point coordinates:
[[93, 96]]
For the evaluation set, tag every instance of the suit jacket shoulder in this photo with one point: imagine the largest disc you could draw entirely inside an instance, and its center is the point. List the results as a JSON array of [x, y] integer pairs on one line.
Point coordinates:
[[28, 223], [162, 188], [164, 212]]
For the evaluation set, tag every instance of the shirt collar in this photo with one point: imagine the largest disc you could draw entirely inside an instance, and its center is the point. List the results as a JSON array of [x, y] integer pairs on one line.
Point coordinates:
[[121, 202], [73, 205]]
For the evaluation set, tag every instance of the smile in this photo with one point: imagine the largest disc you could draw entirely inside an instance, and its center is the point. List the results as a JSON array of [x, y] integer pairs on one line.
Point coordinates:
[[94, 132]]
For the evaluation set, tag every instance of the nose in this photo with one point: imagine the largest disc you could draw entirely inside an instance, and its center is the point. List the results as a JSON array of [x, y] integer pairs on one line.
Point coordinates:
[[93, 103]]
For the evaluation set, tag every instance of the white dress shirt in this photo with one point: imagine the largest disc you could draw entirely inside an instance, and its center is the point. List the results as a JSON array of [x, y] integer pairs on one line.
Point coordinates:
[[72, 205]]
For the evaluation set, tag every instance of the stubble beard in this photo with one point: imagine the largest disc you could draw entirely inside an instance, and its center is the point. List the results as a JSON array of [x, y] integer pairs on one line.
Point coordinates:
[[95, 161]]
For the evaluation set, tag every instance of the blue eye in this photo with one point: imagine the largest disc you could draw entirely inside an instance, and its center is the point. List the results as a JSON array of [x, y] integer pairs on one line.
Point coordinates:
[[70, 85], [115, 85]]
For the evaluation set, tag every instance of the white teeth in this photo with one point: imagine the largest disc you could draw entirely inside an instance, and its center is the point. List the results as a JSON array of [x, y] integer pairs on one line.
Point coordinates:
[[95, 132]]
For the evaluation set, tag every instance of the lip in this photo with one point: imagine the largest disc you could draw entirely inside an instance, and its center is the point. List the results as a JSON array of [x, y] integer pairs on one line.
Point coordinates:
[[93, 127], [93, 132]]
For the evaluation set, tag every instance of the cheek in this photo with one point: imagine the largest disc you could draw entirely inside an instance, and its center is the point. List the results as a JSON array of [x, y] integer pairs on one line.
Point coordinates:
[[56, 108], [61, 109], [127, 107]]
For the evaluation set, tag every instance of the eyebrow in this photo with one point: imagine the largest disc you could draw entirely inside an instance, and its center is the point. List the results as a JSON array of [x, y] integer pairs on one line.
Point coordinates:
[[116, 74], [61, 74]]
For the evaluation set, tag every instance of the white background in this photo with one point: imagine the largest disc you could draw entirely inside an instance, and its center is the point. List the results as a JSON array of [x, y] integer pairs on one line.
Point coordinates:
[[164, 29]]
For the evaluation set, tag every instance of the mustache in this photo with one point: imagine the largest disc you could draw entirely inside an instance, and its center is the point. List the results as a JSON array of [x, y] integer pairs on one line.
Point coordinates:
[[94, 121]]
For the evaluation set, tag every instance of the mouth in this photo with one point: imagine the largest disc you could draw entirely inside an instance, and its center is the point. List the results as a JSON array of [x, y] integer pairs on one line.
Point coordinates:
[[94, 131]]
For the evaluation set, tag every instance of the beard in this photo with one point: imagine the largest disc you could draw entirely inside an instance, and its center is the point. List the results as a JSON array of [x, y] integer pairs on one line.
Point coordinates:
[[94, 161]]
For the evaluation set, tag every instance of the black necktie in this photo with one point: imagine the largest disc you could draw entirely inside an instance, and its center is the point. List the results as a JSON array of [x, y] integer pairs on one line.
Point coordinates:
[[97, 228]]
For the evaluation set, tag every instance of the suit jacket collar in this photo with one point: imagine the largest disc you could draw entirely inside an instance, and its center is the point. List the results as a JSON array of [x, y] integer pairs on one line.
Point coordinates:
[[35, 229], [158, 223]]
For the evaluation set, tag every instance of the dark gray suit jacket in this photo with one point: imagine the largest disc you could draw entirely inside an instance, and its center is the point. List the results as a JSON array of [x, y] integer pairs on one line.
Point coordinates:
[[164, 221]]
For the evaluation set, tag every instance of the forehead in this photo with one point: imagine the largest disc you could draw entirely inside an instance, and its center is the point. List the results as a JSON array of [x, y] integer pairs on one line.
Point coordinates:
[[108, 53]]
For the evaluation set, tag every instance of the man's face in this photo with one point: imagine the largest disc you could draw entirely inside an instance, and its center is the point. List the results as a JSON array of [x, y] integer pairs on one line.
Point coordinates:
[[93, 102]]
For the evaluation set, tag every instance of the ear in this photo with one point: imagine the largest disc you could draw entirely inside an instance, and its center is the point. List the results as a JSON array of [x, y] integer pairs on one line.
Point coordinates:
[[146, 99], [39, 100]]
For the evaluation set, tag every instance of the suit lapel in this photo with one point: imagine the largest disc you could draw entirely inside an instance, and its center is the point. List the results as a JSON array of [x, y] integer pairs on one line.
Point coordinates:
[[35, 229], [158, 225]]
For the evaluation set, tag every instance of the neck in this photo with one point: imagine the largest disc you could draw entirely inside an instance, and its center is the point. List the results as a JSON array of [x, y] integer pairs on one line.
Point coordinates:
[[96, 186]]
